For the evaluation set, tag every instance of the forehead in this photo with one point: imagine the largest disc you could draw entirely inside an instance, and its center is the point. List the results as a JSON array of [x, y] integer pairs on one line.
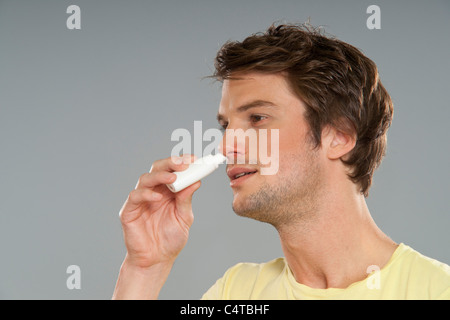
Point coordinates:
[[242, 89]]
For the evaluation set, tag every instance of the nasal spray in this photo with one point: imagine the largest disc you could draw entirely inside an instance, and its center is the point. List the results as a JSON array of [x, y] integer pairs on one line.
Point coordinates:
[[196, 171]]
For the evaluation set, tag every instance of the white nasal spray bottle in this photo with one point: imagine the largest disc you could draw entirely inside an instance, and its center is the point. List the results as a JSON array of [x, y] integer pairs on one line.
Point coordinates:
[[196, 171]]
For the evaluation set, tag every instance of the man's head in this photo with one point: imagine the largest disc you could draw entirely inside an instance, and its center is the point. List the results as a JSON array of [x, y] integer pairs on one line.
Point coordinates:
[[320, 88]]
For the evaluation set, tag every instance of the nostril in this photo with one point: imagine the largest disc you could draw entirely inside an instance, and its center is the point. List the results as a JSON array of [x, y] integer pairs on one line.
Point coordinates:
[[235, 157]]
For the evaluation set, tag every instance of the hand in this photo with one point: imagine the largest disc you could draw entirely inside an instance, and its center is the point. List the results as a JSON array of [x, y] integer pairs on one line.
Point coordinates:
[[156, 221]]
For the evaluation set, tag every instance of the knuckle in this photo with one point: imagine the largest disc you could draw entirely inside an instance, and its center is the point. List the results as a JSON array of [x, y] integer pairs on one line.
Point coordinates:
[[176, 160], [134, 196], [148, 194], [143, 178], [157, 164]]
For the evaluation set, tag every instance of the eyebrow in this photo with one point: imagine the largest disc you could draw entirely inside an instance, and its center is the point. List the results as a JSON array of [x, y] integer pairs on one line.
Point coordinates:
[[247, 106]]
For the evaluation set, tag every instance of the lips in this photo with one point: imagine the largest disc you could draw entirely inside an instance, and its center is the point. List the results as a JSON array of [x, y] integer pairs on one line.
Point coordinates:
[[238, 172]]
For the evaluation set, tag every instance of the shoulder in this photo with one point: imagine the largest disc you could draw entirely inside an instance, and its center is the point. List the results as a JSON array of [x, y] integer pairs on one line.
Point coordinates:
[[424, 274], [239, 280], [254, 270], [430, 268]]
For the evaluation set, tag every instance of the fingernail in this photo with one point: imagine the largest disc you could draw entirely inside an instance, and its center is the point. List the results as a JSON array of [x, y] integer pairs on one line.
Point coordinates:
[[186, 159], [176, 159], [157, 196]]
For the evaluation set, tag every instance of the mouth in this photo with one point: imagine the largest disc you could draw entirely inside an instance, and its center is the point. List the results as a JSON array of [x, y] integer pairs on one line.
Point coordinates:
[[239, 174]]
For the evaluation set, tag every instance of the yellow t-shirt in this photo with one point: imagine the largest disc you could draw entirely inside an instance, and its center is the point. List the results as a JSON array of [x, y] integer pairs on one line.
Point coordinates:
[[407, 275]]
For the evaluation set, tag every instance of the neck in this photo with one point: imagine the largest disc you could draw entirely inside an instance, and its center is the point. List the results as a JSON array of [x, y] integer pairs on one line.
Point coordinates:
[[334, 246]]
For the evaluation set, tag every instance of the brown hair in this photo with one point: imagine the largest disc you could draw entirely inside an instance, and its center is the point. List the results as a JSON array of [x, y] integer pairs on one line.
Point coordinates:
[[339, 85]]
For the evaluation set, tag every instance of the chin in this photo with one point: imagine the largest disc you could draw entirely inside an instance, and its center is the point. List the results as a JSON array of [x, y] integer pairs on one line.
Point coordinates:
[[237, 204], [252, 205], [241, 203]]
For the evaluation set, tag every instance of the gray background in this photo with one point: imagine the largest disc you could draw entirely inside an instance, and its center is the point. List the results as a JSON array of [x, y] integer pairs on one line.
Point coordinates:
[[83, 113]]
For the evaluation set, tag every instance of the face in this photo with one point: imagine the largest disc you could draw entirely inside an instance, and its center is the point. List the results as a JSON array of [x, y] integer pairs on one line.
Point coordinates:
[[261, 101]]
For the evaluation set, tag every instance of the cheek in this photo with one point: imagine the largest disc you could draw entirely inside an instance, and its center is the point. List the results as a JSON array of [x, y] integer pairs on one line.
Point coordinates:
[[292, 140], [285, 153], [295, 149]]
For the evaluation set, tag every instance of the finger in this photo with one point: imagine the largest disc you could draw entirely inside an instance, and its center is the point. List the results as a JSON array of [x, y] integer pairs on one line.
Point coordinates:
[[135, 199], [173, 163], [138, 196], [186, 158], [153, 179]]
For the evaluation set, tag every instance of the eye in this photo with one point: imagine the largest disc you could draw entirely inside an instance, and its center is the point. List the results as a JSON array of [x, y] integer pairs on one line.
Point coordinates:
[[255, 118]]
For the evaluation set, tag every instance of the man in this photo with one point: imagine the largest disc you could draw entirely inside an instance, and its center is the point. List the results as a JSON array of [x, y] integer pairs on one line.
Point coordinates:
[[332, 113]]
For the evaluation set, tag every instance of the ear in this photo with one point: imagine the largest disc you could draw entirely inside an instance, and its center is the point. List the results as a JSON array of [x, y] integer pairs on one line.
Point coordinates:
[[338, 144]]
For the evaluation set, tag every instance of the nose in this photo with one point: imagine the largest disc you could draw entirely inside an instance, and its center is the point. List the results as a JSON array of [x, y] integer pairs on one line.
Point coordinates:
[[233, 145]]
